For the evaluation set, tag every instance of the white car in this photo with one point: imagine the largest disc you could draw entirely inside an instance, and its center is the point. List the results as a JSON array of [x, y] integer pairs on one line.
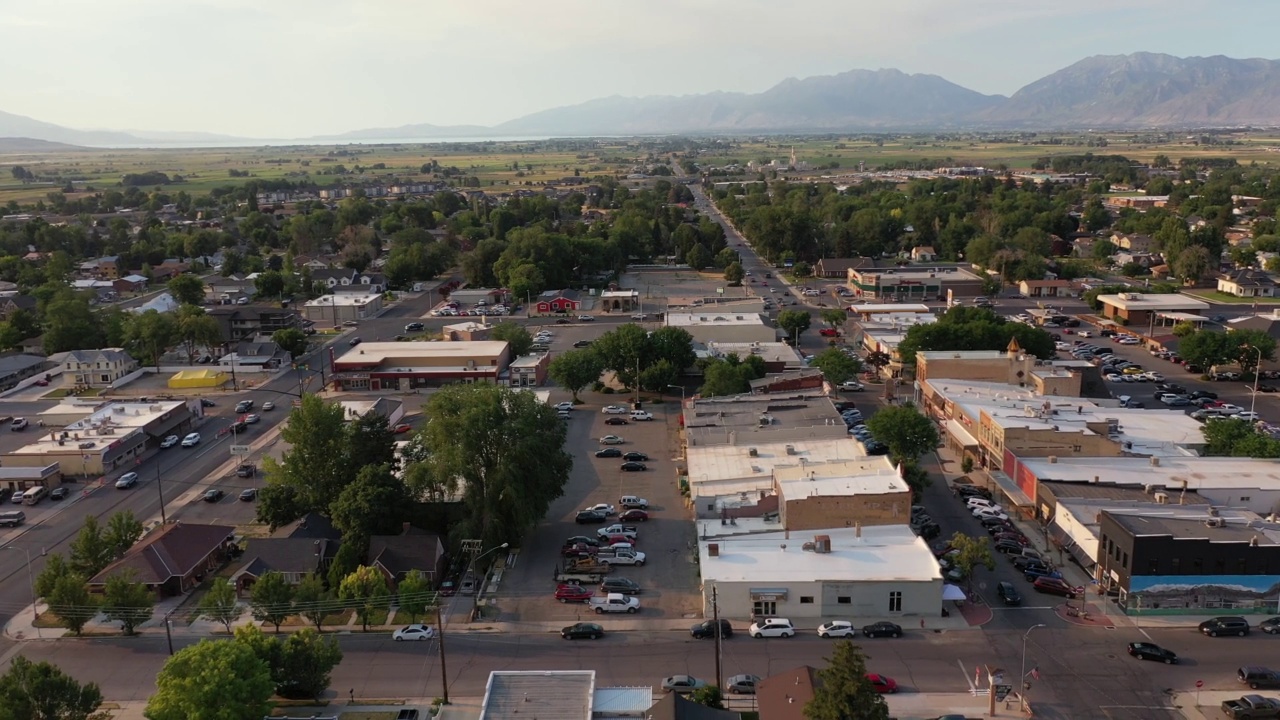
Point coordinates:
[[586, 318], [625, 531], [641, 415], [191, 440], [605, 508], [565, 406], [613, 410], [268, 405], [852, 386], [169, 441], [772, 627], [639, 316], [989, 514], [611, 440], [977, 502], [1085, 334], [837, 629], [414, 632], [1229, 409], [1247, 415]]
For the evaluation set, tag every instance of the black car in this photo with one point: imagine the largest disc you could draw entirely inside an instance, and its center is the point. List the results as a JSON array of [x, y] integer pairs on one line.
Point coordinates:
[[1008, 593], [1008, 546], [608, 452], [1204, 394], [579, 631], [634, 467], [562, 321], [622, 585], [582, 343], [205, 402], [213, 495], [1225, 626], [590, 516], [58, 493], [882, 629], [707, 629], [616, 421], [414, 327], [1024, 563], [635, 456], [353, 341], [929, 530], [1151, 651], [249, 494], [244, 406], [875, 447]]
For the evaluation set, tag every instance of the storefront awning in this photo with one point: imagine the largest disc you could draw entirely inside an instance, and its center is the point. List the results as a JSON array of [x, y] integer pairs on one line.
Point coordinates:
[[962, 436], [1011, 489], [768, 593]]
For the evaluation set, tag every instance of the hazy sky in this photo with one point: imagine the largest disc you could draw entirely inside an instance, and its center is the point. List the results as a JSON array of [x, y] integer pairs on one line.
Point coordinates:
[[294, 68]]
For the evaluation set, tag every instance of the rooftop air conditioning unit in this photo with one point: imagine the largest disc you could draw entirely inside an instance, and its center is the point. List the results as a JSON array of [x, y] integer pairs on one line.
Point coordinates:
[[1162, 498], [1214, 522], [821, 544], [791, 449], [753, 452]]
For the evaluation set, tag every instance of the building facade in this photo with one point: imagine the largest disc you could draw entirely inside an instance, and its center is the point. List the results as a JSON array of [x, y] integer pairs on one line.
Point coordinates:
[[408, 366]]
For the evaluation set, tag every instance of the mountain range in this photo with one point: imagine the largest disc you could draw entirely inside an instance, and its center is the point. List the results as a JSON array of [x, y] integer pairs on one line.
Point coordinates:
[[1141, 90]]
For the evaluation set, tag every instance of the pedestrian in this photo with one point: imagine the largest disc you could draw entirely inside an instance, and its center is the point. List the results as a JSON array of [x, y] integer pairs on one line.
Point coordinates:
[[352, 692], [921, 623]]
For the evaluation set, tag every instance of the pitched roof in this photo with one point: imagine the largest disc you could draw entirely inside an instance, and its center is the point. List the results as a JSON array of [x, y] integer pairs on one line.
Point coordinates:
[[172, 551], [826, 265], [285, 555], [783, 696], [1249, 278], [676, 707], [312, 525], [333, 273], [553, 294], [415, 550], [25, 302]]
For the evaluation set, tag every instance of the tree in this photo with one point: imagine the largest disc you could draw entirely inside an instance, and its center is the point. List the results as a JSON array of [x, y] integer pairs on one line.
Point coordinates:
[[306, 660], [734, 273], [906, 432], [834, 317], [835, 365], [845, 692], [55, 567], [197, 329], [1103, 250], [271, 599], [708, 695], [92, 550], [212, 680], [658, 376], [972, 552], [346, 560], [414, 595], [673, 344], [269, 284], [1207, 348], [367, 587], [1251, 346], [1184, 328], [970, 328], [292, 341], [793, 322], [187, 289], [374, 504], [622, 350], [41, 691], [310, 599], [730, 375], [1192, 263], [801, 269], [576, 369], [877, 359], [127, 602], [506, 448], [698, 257], [70, 600], [219, 603], [514, 335], [315, 467], [150, 334], [69, 324], [123, 530]]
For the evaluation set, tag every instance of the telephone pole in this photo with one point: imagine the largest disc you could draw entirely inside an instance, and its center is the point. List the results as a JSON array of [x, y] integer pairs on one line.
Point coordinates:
[[715, 618]]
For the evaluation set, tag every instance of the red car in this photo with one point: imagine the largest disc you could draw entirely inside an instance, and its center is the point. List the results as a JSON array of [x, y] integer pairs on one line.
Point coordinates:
[[42, 382], [634, 516], [573, 593], [828, 332], [403, 428], [578, 550], [882, 683], [1056, 586], [607, 540]]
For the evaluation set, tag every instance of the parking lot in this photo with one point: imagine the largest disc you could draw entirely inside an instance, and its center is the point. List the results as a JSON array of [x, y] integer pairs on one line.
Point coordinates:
[[669, 577]]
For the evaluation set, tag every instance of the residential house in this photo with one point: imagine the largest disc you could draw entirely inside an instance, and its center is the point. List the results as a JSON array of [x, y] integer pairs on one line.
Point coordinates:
[[130, 284], [1247, 283], [334, 277], [413, 549], [108, 267], [839, 267], [292, 557], [239, 322], [923, 253], [95, 368], [558, 301], [167, 270], [1134, 243], [171, 560], [14, 303], [783, 696], [677, 707], [366, 283], [229, 290], [257, 353], [1044, 288]]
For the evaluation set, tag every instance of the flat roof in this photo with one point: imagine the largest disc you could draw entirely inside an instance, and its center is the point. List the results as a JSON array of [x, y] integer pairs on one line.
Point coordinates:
[[1153, 301], [380, 352], [1198, 472], [902, 308], [532, 694], [962, 354], [753, 419], [929, 273], [871, 475], [528, 360], [470, 326], [882, 553], [1114, 492], [714, 317], [768, 351], [344, 300], [1188, 528], [716, 463], [103, 427]]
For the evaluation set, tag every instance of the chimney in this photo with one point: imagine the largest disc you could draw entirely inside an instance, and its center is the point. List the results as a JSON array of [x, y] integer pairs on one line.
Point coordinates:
[[1053, 459], [1155, 461], [713, 549], [857, 530], [1096, 479], [822, 543]]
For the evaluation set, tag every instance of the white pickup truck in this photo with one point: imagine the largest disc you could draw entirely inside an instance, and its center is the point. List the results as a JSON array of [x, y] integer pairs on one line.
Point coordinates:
[[621, 557], [615, 603]]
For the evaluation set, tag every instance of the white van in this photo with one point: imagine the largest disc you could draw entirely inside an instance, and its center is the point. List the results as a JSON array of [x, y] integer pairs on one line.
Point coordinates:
[[34, 495]]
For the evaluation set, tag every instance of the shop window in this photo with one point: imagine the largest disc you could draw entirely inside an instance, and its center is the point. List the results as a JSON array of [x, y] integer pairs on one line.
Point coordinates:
[[848, 600], [806, 599], [895, 601]]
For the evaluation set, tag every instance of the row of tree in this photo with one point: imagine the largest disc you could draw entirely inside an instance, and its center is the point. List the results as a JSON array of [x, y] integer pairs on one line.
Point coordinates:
[[1210, 348], [651, 361], [972, 328]]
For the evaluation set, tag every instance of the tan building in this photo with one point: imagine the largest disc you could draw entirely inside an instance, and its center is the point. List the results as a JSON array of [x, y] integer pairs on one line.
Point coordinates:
[[107, 439], [716, 325], [407, 366], [1012, 367], [1140, 310], [466, 332], [335, 309], [96, 368], [841, 493]]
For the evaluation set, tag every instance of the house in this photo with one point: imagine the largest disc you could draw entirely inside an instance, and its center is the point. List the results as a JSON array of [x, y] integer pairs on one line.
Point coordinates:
[[677, 707], [239, 322], [292, 557], [1247, 283], [171, 560], [224, 291], [108, 267], [260, 354], [923, 253], [1134, 243], [558, 301], [839, 267], [130, 284], [95, 368], [783, 696], [334, 277], [413, 549], [14, 303], [1044, 288]]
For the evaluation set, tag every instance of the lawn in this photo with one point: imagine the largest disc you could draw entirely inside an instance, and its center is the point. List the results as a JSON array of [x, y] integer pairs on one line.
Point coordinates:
[[1220, 297]]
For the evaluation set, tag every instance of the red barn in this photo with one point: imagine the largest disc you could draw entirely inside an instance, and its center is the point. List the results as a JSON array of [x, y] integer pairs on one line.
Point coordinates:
[[558, 301]]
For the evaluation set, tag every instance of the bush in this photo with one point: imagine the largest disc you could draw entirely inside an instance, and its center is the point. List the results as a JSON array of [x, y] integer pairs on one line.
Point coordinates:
[[606, 390], [966, 465]]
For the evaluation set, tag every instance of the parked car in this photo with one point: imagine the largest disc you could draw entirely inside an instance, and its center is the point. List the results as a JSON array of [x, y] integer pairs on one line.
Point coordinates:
[[837, 629], [614, 410], [635, 456], [58, 493], [248, 494], [582, 631], [616, 421], [213, 495], [1227, 625], [1008, 594], [169, 442], [882, 683], [608, 452], [682, 684], [590, 516], [634, 515], [1056, 586], [191, 440], [573, 593], [707, 629], [611, 440], [18, 424], [626, 586], [772, 627], [1270, 626], [605, 508], [633, 467], [882, 629], [414, 632], [1151, 651], [742, 684]]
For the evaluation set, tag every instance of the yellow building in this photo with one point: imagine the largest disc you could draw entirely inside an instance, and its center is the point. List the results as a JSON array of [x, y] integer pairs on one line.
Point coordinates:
[[198, 379]]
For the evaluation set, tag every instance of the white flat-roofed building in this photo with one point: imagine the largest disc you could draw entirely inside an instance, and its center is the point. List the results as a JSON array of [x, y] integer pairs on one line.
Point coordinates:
[[1139, 309], [859, 573], [110, 437], [407, 366], [777, 356], [335, 309], [723, 476], [715, 325]]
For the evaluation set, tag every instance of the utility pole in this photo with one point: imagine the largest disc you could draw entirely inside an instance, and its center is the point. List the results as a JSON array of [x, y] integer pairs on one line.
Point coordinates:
[[715, 618], [160, 492]]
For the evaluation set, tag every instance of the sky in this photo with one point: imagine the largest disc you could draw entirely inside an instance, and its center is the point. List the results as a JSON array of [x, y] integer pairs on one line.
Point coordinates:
[[299, 68]]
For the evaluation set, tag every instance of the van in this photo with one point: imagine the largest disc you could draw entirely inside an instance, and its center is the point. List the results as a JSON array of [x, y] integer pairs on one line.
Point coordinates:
[[1257, 677], [34, 495], [13, 518]]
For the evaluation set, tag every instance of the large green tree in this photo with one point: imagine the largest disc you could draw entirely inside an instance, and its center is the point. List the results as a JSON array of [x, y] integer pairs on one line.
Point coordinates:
[[836, 365], [197, 329], [794, 322], [507, 450], [414, 596], [315, 468], [123, 530], [41, 691], [70, 601], [907, 433], [623, 350], [149, 335], [844, 692], [366, 587], [971, 553], [576, 369], [673, 344], [292, 341], [311, 599], [730, 375], [187, 289], [300, 664], [127, 601], [514, 335], [220, 603], [92, 549], [212, 680], [271, 599], [968, 328], [376, 503]]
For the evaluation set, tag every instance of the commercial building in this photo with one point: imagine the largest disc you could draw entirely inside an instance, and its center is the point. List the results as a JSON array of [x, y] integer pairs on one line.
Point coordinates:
[[1201, 566], [789, 382], [108, 438], [407, 366], [882, 572], [558, 301], [915, 283], [337, 308], [777, 356], [466, 332], [529, 371], [1141, 309], [1044, 288], [716, 325], [841, 493], [560, 694]]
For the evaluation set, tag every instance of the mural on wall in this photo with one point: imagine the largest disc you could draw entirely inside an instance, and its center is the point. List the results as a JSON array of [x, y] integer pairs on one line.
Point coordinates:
[[1195, 594]]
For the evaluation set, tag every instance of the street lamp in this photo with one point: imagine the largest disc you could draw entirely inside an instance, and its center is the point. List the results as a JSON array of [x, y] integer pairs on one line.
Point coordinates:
[[1022, 678], [1256, 369], [31, 584], [444, 673], [681, 389]]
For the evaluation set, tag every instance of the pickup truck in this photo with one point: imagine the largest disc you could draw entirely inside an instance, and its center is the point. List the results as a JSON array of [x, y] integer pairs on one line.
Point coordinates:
[[615, 603], [627, 531], [621, 557], [1252, 707]]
